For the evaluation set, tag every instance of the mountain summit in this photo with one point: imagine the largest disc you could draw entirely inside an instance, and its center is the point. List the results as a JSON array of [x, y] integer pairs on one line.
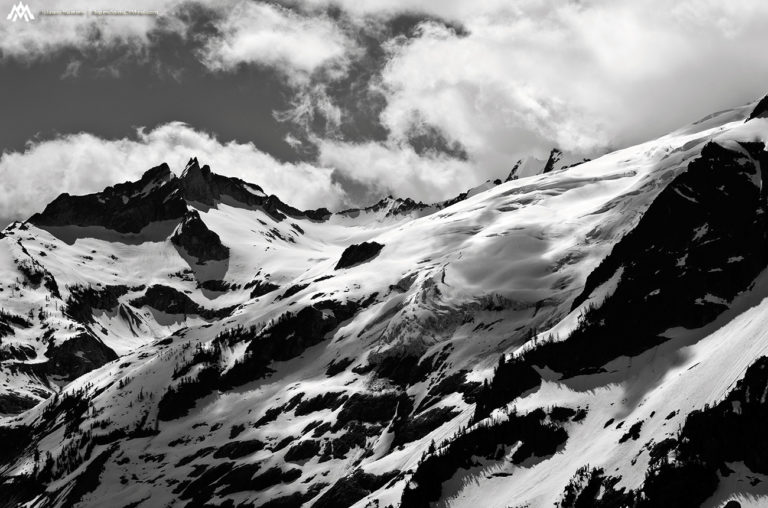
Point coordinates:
[[159, 195], [589, 335]]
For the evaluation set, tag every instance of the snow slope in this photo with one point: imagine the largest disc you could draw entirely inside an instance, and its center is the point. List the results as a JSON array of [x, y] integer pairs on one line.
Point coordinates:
[[268, 374]]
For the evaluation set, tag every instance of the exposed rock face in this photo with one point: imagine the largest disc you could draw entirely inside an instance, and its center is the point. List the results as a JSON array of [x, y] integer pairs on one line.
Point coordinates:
[[761, 109], [351, 489], [537, 434], [83, 299], [13, 403], [291, 335], [159, 196], [199, 184], [513, 172], [685, 470], [730, 431], [702, 241], [199, 241], [261, 288], [76, 356], [167, 299], [554, 156], [9, 321], [557, 160], [35, 274], [127, 207], [393, 206], [286, 338], [358, 253], [173, 301], [454, 200]]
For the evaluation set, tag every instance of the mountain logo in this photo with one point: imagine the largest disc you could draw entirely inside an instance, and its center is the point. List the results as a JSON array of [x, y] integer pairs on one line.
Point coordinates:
[[20, 11]]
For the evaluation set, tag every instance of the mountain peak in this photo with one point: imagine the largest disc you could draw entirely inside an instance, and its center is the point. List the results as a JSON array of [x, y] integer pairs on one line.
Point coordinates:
[[159, 195], [554, 156], [195, 174], [125, 207], [198, 183], [161, 173], [557, 160], [193, 162], [760, 110]]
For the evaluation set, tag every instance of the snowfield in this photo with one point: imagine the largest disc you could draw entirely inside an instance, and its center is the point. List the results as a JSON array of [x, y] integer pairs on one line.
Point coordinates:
[[136, 372]]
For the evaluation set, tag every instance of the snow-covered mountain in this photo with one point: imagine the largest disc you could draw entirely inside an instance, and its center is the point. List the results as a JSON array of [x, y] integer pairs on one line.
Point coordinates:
[[589, 335]]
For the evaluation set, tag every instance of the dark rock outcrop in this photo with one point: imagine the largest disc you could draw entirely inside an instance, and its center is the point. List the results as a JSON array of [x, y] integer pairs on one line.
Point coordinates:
[[75, 356], [397, 206], [238, 449], [35, 274], [15, 403], [537, 436], [703, 240], [83, 299], [554, 156], [9, 321], [511, 378], [167, 299], [197, 240], [358, 253], [730, 431], [513, 172], [160, 196], [685, 470], [350, 489], [296, 288], [126, 208], [288, 337], [415, 428], [761, 109], [303, 450], [261, 287], [591, 488], [173, 301], [200, 185]]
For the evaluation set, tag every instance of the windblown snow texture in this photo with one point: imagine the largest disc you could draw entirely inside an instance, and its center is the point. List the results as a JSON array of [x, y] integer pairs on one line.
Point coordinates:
[[585, 333]]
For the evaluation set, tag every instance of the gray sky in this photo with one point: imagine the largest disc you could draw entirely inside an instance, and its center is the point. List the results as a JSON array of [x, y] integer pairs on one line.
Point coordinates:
[[336, 103]]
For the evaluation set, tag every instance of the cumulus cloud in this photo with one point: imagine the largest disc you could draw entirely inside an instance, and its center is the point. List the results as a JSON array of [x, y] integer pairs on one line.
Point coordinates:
[[46, 35], [267, 34], [454, 10], [83, 163], [383, 169], [519, 78], [246, 33], [583, 76]]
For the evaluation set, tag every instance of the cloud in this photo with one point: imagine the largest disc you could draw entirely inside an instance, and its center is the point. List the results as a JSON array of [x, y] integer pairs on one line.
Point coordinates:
[[46, 35], [454, 10], [267, 34], [578, 75], [518, 78], [378, 169], [244, 32], [83, 163]]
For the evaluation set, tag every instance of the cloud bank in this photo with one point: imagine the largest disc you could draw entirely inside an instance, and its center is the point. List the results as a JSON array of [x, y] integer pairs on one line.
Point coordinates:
[[83, 163]]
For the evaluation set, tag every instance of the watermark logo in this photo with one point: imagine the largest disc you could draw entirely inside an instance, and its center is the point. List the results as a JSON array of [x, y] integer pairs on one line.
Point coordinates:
[[20, 11]]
